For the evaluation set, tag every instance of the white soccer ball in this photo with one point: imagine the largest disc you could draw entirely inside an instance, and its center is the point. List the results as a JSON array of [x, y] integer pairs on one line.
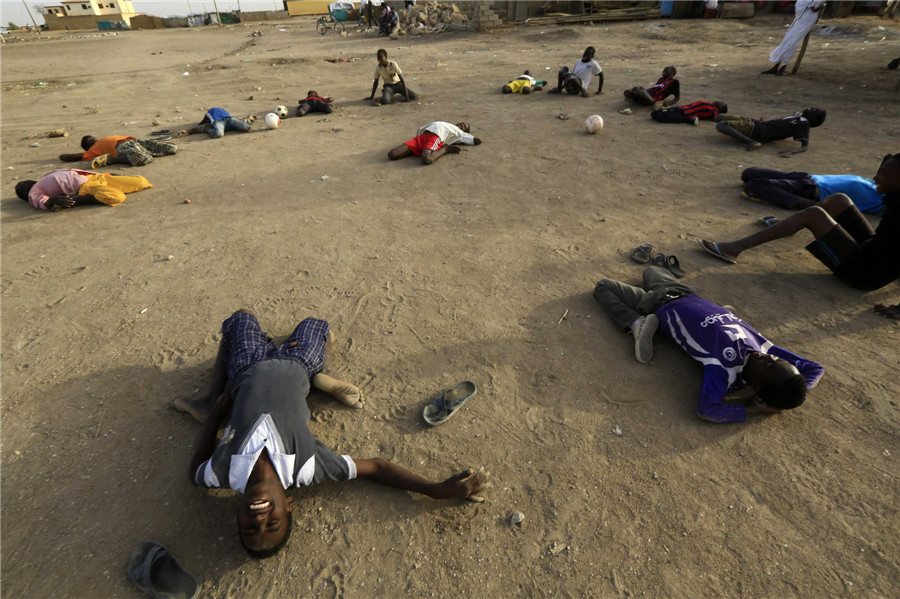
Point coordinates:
[[281, 111], [594, 124], [272, 121]]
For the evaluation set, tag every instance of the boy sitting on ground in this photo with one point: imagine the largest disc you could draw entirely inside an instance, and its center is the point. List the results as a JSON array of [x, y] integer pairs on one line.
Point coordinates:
[[733, 354], [69, 188], [390, 72], [755, 132], [523, 84], [314, 103], [578, 79], [658, 94], [267, 446], [434, 140], [120, 149]]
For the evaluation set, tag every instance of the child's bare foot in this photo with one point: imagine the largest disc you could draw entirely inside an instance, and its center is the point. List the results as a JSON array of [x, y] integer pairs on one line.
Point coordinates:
[[453, 149], [198, 408], [466, 485], [347, 394], [755, 146], [182, 133]]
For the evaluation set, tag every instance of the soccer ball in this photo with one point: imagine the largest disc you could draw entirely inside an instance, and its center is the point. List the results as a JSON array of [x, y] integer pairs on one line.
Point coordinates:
[[281, 111], [594, 124], [272, 121]]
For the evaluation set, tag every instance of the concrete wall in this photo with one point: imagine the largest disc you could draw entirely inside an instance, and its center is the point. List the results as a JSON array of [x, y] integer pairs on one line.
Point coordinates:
[[264, 15], [83, 22], [147, 22], [307, 7]]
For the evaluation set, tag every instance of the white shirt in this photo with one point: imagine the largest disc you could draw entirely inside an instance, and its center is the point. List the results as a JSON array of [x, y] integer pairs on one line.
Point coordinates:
[[586, 71], [449, 134], [264, 436]]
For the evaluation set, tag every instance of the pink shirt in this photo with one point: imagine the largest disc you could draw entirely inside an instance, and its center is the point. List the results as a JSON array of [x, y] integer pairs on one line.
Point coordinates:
[[57, 183]]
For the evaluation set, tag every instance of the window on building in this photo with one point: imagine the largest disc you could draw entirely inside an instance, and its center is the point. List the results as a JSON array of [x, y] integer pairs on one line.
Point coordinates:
[[84, 6]]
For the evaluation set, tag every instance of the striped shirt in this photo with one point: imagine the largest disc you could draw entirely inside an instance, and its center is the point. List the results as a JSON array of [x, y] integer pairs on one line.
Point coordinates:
[[664, 87], [705, 111]]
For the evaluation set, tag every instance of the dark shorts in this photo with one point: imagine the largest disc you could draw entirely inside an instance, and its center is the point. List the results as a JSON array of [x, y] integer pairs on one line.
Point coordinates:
[[246, 344], [834, 249]]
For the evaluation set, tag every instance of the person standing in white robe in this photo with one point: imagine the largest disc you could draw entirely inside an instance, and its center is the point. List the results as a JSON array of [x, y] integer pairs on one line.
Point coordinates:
[[806, 13]]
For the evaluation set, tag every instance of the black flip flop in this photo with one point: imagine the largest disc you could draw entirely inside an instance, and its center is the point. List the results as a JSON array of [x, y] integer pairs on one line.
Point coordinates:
[[162, 132], [153, 569], [448, 403], [670, 263], [642, 253]]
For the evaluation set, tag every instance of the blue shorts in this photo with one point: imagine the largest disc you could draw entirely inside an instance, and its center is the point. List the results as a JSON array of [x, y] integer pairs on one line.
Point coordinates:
[[246, 344]]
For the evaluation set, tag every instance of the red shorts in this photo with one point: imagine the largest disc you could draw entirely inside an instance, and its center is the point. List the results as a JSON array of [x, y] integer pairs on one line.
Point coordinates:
[[426, 141]]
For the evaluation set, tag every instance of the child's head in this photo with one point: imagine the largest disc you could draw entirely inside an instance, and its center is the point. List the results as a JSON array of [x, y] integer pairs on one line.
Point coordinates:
[[722, 106], [23, 187], [87, 141], [669, 72], [815, 116], [887, 179], [527, 72], [381, 55], [777, 382], [264, 518], [312, 92], [463, 126], [588, 54]]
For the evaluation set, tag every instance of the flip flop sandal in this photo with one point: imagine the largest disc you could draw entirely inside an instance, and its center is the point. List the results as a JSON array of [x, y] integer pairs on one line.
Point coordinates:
[[749, 197], [768, 221], [100, 161], [162, 132], [153, 569], [670, 263], [444, 406], [642, 253], [712, 248]]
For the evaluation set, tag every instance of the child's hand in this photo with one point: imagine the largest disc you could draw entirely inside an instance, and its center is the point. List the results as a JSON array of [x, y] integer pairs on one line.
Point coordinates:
[[477, 141]]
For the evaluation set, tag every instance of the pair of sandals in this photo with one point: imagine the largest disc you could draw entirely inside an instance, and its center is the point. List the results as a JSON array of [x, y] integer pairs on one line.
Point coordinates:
[[644, 254]]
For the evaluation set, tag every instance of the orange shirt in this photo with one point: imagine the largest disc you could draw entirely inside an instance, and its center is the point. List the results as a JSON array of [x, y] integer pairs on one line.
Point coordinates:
[[105, 145]]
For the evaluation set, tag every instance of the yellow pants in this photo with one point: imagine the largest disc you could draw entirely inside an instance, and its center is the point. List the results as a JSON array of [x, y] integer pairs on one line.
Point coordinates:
[[111, 189]]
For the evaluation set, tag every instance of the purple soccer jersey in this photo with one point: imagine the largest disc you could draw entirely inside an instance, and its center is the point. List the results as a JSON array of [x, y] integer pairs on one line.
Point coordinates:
[[722, 342]]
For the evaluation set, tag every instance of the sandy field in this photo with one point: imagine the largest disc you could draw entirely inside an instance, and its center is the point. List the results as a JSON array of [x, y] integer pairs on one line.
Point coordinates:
[[433, 275]]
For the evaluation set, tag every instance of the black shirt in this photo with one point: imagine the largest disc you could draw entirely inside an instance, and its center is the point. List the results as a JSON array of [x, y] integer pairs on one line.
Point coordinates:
[[877, 263], [790, 126]]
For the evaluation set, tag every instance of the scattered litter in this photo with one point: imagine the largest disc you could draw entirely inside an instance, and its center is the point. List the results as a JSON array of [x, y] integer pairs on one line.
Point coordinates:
[[170, 258], [324, 177], [144, 310], [187, 200], [562, 116], [617, 431], [35, 145], [57, 133], [516, 518], [126, 123], [557, 548], [886, 453], [627, 111], [185, 74]]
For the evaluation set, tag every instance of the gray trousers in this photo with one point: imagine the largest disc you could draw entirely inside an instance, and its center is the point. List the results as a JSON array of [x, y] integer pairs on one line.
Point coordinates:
[[389, 89], [626, 303]]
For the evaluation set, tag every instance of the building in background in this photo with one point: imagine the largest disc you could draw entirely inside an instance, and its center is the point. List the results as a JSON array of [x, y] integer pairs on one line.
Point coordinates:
[[89, 14]]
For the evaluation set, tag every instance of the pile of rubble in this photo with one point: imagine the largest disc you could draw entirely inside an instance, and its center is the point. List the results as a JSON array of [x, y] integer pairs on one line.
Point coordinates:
[[430, 17]]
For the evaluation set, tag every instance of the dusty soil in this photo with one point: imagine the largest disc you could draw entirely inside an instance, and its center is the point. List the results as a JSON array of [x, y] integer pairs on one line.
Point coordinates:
[[432, 275]]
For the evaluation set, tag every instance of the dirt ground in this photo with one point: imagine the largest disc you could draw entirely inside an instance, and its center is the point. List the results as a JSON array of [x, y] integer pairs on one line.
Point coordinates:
[[433, 275]]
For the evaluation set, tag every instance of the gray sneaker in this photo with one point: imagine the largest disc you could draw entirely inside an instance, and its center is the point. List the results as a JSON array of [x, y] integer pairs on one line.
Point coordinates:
[[643, 337]]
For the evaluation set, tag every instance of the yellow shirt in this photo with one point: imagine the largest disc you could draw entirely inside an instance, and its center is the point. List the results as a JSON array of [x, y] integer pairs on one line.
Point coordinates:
[[517, 85], [390, 74]]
